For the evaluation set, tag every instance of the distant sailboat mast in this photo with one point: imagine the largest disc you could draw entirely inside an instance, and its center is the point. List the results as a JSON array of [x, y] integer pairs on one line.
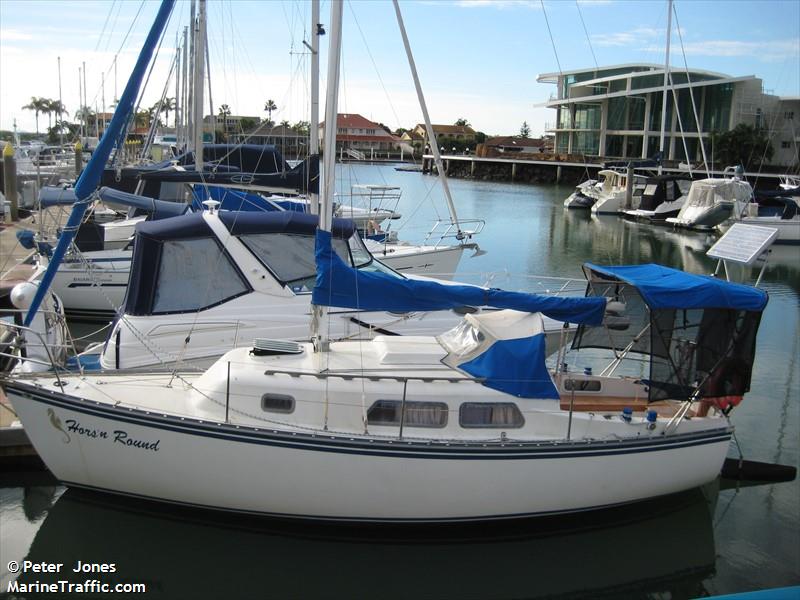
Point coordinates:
[[664, 93], [314, 132], [199, 76]]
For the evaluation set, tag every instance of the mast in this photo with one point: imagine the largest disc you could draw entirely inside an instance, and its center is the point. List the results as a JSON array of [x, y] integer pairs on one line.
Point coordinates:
[[80, 104], [90, 177], [183, 141], [664, 93], [60, 104], [86, 101], [177, 90], [190, 77], [103, 98], [319, 314], [428, 127], [199, 76], [314, 127]]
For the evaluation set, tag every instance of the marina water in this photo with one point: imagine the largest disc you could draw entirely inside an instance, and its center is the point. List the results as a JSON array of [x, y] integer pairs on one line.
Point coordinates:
[[714, 540]]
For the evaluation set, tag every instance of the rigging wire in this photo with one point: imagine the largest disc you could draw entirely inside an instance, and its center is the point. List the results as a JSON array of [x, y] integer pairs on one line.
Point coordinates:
[[552, 41], [691, 95], [113, 27], [103, 32], [588, 39]]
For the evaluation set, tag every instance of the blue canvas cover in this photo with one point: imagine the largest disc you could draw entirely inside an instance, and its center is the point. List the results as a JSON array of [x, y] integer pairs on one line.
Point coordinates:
[[157, 209], [666, 288], [339, 285], [516, 367], [231, 199]]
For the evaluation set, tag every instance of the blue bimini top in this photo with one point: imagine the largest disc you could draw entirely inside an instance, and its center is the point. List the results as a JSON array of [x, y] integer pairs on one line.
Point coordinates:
[[666, 288]]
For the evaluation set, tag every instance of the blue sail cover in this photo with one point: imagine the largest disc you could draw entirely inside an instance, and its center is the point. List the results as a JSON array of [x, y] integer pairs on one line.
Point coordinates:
[[516, 367], [666, 288], [158, 209], [340, 285]]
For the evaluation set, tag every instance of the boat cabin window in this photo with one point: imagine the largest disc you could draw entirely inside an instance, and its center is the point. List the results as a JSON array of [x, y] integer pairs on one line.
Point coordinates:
[[278, 403], [418, 414], [490, 415], [193, 275], [582, 385], [290, 257]]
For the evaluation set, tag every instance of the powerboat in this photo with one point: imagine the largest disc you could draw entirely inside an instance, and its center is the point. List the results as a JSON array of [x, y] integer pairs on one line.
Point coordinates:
[[658, 198], [610, 193], [711, 202], [580, 198]]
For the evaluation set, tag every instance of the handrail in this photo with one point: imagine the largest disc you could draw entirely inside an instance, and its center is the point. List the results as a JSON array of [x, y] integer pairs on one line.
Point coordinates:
[[53, 364], [374, 377], [454, 231]]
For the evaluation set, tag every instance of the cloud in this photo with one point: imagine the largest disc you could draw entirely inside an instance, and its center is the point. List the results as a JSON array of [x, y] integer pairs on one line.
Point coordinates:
[[646, 38], [501, 4], [768, 51], [15, 35]]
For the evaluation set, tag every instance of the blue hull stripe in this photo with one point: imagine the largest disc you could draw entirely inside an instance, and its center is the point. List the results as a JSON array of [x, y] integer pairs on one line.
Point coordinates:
[[321, 442]]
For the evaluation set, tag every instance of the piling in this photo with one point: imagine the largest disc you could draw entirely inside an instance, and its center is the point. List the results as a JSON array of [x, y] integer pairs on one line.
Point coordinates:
[[558, 174], [10, 180], [78, 159], [513, 171]]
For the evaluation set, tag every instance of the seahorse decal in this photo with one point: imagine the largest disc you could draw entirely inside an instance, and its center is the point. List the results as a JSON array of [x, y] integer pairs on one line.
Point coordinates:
[[56, 422]]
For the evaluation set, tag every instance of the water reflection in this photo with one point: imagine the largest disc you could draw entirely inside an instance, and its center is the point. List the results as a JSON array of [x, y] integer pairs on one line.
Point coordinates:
[[665, 546]]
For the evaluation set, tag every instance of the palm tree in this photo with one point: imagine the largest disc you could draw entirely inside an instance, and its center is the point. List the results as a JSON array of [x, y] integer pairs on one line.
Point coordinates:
[[166, 106], [84, 114], [462, 122], [37, 105], [269, 106], [142, 118], [224, 113], [285, 124]]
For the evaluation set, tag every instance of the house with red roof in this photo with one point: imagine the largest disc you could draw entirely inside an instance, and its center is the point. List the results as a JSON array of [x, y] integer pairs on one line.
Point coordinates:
[[355, 132]]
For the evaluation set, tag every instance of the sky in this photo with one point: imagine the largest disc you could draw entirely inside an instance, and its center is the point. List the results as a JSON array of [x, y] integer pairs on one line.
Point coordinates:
[[477, 59]]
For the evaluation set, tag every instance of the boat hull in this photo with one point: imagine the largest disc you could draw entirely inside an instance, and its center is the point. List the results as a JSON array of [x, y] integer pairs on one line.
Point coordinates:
[[788, 229], [578, 200], [350, 477]]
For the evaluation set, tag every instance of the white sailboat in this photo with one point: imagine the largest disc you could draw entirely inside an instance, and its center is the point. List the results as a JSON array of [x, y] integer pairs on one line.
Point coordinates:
[[466, 426]]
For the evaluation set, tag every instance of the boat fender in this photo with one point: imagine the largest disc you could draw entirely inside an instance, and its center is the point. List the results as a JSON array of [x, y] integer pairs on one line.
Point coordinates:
[[627, 414], [652, 417]]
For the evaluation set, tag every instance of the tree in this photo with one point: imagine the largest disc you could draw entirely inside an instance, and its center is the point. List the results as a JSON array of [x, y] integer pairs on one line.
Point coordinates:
[[285, 124], [743, 145], [166, 106], [302, 128], [247, 124], [37, 105], [462, 122], [400, 131], [269, 106], [62, 127], [142, 118], [224, 113], [84, 114], [525, 131], [480, 137]]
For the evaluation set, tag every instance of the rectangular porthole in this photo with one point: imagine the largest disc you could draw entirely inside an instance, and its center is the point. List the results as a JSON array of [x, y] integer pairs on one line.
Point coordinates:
[[582, 385], [278, 403], [418, 414], [490, 415]]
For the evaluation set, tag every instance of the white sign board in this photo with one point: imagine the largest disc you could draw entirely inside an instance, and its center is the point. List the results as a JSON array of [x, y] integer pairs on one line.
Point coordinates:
[[743, 243]]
